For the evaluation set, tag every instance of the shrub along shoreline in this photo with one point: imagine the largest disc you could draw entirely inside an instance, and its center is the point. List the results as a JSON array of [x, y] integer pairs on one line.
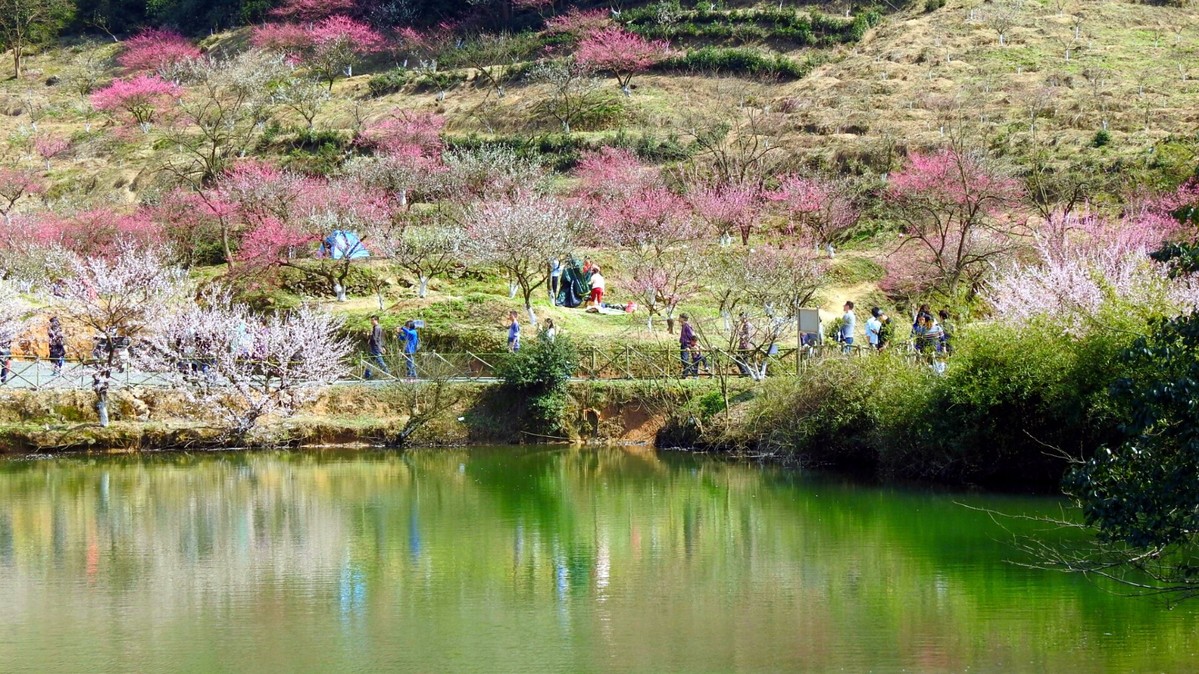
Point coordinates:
[[1014, 407]]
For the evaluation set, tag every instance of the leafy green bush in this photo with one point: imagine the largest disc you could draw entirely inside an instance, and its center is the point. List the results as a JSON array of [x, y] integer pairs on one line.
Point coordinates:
[[1012, 403], [1102, 138], [739, 61], [538, 374], [562, 152], [390, 82], [800, 29]]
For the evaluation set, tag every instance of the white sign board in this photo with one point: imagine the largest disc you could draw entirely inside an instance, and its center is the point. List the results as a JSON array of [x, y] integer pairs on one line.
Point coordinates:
[[809, 321]]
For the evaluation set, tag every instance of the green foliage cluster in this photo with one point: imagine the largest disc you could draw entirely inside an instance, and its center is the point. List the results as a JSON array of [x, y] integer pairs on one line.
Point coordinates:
[[361, 281], [404, 79], [538, 374], [740, 61], [1010, 403], [562, 152], [748, 25], [1143, 491]]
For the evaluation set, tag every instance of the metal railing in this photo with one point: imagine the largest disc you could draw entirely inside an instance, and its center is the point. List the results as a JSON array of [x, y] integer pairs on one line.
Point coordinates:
[[629, 362]]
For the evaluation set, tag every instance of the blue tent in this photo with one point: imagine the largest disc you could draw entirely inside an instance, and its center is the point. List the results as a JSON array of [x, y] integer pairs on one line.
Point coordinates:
[[341, 244]]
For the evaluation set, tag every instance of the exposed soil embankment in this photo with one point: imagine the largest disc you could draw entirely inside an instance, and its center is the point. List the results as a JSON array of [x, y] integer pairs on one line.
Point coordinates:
[[157, 419]]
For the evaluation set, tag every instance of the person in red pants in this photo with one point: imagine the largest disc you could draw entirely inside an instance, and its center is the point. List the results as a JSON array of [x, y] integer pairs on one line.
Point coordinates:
[[597, 288]]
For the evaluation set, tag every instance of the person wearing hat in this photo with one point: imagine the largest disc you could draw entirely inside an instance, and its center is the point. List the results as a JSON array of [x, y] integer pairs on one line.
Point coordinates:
[[874, 328]]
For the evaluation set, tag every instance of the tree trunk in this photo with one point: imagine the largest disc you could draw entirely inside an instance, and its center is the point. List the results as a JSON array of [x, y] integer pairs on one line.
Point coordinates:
[[16, 60], [513, 286], [422, 290], [532, 314], [102, 408]]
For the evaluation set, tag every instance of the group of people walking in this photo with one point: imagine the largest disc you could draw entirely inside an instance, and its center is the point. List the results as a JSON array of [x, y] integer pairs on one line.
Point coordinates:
[[929, 336], [409, 344]]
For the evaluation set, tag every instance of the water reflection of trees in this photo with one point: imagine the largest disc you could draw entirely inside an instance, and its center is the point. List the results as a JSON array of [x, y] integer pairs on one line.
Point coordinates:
[[602, 552]]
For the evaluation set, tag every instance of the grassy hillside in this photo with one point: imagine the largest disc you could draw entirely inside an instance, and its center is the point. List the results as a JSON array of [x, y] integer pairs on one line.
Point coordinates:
[[1110, 85]]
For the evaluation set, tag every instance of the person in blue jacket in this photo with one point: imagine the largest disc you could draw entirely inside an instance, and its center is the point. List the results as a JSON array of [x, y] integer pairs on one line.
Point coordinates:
[[411, 342]]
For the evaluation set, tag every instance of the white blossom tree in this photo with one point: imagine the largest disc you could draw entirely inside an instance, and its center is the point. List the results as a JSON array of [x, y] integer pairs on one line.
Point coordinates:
[[14, 316], [425, 251], [118, 302], [518, 236], [245, 367]]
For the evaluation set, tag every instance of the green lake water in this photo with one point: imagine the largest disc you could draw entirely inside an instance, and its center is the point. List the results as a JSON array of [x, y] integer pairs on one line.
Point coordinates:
[[508, 560]]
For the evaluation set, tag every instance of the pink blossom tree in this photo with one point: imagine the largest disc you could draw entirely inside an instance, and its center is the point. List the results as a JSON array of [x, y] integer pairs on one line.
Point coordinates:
[[116, 301], [579, 23], [663, 282], [49, 147], [15, 185], [244, 368], [518, 235], [191, 222], [307, 230], [1080, 281], [141, 98], [407, 177], [653, 220], [727, 209], [98, 232], [405, 132], [338, 43], [955, 208], [329, 47], [611, 174], [822, 210], [291, 39], [157, 51], [620, 52]]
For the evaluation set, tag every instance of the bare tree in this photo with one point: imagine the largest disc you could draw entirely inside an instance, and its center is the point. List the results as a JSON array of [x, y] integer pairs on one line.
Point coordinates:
[[1001, 18], [425, 250], [301, 95], [25, 23], [223, 112], [574, 91]]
